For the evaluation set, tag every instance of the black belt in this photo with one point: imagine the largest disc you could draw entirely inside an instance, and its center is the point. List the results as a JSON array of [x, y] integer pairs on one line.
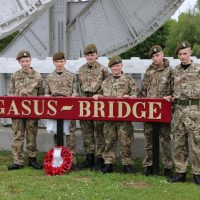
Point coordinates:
[[188, 102]]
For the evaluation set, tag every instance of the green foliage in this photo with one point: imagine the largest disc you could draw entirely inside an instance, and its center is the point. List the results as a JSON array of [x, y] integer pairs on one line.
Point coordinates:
[[5, 41], [187, 28], [142, 49], [198, 4], [170, 34]]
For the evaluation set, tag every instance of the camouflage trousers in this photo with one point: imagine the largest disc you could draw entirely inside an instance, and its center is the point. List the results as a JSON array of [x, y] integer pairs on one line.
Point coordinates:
[[21, 127], [165, 130], [93, 137], [122, 131], [70, 140], [186, 129]]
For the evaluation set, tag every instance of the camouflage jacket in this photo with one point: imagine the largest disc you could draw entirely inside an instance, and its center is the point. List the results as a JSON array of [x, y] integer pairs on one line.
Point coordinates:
[[61, 85], [124, 85], [187, 82], [158, 81], [26, 84], [90, 79]]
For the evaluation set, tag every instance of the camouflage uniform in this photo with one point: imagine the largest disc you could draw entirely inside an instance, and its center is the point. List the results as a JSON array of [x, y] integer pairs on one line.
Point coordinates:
[[157, 83], [118, 87], [90, 79], [63, 84], [186, 125], [25, 84]]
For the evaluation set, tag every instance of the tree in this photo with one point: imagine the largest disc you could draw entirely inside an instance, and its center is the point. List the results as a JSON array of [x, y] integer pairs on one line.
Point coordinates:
[[185, 29], [180, 31], [5, 41], [142, 49], [198, 5]]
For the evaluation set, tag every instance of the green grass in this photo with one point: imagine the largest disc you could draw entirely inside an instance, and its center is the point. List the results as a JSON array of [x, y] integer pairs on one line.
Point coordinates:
[[30, 184]]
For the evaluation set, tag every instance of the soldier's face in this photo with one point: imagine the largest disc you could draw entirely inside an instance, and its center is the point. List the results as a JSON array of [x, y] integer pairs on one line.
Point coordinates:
[[25, 63], [59, 64], [116, 69], [157, 58], [184, 55], [91, 58]]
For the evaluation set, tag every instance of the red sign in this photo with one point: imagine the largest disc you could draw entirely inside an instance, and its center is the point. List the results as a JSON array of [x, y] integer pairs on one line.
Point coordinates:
[[107, 109]]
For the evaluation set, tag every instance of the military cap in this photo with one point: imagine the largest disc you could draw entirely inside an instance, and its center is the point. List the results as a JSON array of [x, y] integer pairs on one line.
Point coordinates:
[[182, 45], [58, 56], [154, 49], [91, 48], [114, 60], [23, 54]]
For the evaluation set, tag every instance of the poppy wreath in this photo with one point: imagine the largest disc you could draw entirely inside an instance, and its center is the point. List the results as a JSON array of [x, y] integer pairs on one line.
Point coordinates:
[[65, 166]]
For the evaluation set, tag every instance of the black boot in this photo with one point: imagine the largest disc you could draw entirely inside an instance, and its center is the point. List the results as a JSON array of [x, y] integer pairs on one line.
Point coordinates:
[[108, 168], [74, 167], [179, 177], [99, 164], [127, 169], [15, 166], [196, 179], [33, 163], [88, 163], [148, 171], [167, 173]]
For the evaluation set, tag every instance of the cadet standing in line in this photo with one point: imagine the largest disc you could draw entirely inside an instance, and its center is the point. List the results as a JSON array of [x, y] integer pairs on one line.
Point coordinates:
[[118, 85], [25, 82], [186, 126], [61, 82], [91, 76], [158, 83]]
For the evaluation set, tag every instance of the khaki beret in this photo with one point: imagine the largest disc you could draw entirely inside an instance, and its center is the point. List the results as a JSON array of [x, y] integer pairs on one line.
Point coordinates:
[[91, 48], [23, 54], [114, 60], [182, 45], [154, 49], [58, 56]]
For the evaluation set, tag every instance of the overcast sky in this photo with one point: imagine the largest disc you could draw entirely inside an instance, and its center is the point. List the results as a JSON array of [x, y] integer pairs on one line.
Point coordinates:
[[184, 7]]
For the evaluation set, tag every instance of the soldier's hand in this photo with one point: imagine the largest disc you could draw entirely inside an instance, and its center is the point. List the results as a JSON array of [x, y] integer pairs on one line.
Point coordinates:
[[168, 98], [126, 96], [96, 97], [23, 92]]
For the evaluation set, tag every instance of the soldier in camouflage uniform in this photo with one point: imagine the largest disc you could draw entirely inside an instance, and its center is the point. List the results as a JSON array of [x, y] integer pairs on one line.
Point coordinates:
[[25, 82], [158, 83], [91, 76], [186, 122], [118, 85], [61, 82]]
